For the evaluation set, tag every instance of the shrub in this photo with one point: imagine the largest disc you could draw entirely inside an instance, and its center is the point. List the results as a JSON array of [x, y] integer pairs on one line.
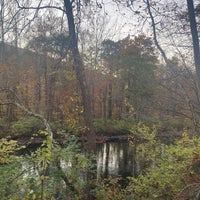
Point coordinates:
[[112, 126], [170, 170], [165, 171], [26, 126], [51, 172]]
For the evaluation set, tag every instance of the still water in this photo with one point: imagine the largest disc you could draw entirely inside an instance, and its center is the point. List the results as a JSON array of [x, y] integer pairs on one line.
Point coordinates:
[[115, 159]]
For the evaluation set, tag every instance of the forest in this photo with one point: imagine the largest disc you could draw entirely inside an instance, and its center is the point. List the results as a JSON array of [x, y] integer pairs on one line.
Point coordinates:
[[76, 74]]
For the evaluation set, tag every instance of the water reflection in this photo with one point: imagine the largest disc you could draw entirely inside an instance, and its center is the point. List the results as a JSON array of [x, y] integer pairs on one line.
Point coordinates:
[[115, 159]]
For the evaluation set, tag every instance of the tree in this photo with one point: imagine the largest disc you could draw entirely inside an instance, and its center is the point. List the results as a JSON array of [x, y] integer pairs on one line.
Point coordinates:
[[192, 101], [109, 51], [137, 64], [77, 60], [195, 39], [79, 69], [51, 50], [132, 62], [2, 32]]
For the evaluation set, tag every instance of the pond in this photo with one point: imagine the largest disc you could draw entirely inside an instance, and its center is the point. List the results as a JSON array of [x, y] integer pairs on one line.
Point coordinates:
[[115, 159]]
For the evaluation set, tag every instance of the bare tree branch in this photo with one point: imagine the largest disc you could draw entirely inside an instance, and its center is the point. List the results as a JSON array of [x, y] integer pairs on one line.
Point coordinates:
[[155, 35], [39, 7]]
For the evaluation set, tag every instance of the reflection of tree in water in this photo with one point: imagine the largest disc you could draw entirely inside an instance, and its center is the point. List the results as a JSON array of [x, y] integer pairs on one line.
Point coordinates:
[[115, 159], [122, 159], [126, 160], [106, 173]]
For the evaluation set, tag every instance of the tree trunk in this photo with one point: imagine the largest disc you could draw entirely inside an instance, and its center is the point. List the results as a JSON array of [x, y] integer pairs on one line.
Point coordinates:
[[195, 39], [79, 70], [110, 104], [2, 59]]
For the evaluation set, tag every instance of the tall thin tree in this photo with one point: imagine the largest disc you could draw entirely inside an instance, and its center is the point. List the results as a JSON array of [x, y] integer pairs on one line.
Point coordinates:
[[79, 69], [195, 39]]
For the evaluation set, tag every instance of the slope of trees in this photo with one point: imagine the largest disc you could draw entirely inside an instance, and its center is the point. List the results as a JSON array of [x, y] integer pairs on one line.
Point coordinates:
[[51, 88]]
